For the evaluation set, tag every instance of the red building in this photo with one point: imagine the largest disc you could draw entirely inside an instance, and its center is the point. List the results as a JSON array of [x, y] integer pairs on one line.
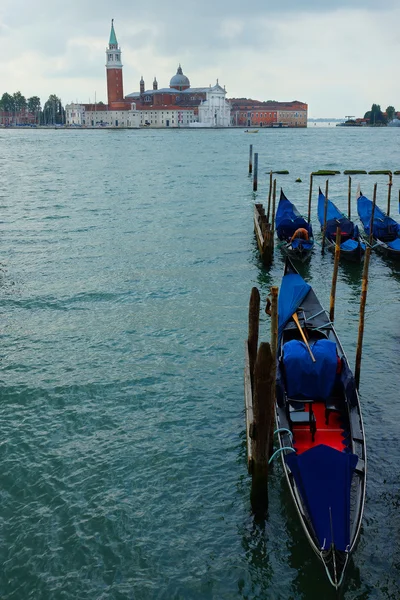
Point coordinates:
[[254, 113]]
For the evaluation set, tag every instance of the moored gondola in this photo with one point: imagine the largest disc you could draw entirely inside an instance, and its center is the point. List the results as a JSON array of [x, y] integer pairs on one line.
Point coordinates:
[[352, 248], [293, 231], [320, 426], [385, 230]]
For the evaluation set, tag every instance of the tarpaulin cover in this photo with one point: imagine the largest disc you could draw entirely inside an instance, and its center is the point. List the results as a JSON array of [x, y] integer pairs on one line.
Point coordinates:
[[335, 219], [383, 227], [323, 476], [306, 245], [350, 245], [305, 378], [288, 219], [291, 294], [395, 244]]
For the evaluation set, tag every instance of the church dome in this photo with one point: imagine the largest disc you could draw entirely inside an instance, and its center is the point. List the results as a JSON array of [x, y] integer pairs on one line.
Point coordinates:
[[179, 81]]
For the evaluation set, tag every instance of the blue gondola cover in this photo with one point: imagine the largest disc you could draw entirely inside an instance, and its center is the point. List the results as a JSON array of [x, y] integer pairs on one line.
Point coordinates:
[[384, 227], [335, 219], [305, 378], [323, 476], [288, 219], [291, 294]]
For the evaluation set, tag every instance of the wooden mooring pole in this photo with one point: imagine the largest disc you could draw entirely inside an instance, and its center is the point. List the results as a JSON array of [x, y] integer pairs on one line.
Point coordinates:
[[255, 175], [309, 198], [389, 193], [263, 410], [274, 351], [254, 319], [371, 223], [269, 196], [335, 274], [363, 299], [273, 214], [349, 200], [325, 213], [251, 159]]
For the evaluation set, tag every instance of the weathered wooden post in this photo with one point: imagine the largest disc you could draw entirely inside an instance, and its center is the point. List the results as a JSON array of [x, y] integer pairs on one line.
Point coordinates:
[[269, 196], [255, 175], [349, 200], [325, 213], [273, 214], [309, 197], [363, 301], [389, 192], [371, 223], [251, 159], [335, 274], [252, 340], [274, 350], [263, 405]]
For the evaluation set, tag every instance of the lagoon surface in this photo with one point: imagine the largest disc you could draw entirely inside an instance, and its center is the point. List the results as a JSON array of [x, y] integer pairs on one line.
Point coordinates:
[[127, 262]]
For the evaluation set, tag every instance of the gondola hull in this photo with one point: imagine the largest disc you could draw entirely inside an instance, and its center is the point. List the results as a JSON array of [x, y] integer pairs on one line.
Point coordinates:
[[385, 230], [355, 255], [352, 248], [289, 223], [323, 457]]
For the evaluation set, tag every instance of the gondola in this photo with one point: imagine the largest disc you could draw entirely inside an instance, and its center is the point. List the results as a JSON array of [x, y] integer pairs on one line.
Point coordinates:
[[293, 231], [352, 248], [385, 230], [319, 424]]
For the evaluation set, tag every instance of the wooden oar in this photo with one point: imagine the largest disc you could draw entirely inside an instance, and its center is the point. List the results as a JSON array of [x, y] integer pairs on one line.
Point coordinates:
[[296, 320]]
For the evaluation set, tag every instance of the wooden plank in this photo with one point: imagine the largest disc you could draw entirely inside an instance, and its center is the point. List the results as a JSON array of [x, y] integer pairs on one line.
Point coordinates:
[[257, 228], [248, 404]]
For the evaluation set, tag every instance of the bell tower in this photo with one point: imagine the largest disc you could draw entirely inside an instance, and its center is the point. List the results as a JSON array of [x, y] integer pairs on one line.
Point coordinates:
[[115, 90]]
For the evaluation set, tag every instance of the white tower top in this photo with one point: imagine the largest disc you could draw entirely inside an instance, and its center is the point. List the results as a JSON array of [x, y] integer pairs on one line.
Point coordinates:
[[113, 52]]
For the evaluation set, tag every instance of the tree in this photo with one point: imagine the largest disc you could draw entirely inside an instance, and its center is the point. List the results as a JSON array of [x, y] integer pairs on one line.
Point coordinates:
[[53, 112], [390, 112], [34, 104], [377, 117], [19, 102], [7, 103]]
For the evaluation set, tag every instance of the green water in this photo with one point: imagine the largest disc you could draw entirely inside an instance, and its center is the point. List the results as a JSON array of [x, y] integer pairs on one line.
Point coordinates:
[[127, 261]]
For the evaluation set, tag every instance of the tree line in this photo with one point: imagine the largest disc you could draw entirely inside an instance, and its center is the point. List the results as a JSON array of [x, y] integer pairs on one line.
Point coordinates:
[[375, 116], [52, 113]]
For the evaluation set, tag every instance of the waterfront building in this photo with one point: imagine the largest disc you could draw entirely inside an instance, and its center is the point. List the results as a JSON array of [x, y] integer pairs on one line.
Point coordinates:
[[254, 113], [179, 105], [19, 117]]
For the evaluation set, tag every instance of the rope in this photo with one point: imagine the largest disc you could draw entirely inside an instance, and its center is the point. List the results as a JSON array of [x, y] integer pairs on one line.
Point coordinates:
[[284, 429], [279, 451]]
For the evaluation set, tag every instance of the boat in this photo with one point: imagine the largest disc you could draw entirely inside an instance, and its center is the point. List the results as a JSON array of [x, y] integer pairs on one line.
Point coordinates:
[[319, 426], [293, 231], [385, 230], [251, 131], [352, 247]]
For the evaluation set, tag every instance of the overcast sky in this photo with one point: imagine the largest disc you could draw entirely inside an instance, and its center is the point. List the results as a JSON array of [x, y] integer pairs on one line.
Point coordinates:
[[338, 56]]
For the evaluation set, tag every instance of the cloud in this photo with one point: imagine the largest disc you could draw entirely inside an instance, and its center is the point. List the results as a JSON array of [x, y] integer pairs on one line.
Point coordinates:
[[339, 59]]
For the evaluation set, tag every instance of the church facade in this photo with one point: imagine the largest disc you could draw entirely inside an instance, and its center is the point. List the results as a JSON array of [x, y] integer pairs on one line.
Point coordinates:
[[179, 105]]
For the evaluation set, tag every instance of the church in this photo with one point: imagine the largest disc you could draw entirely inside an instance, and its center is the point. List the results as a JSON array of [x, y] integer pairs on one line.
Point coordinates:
[[178, 105]]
